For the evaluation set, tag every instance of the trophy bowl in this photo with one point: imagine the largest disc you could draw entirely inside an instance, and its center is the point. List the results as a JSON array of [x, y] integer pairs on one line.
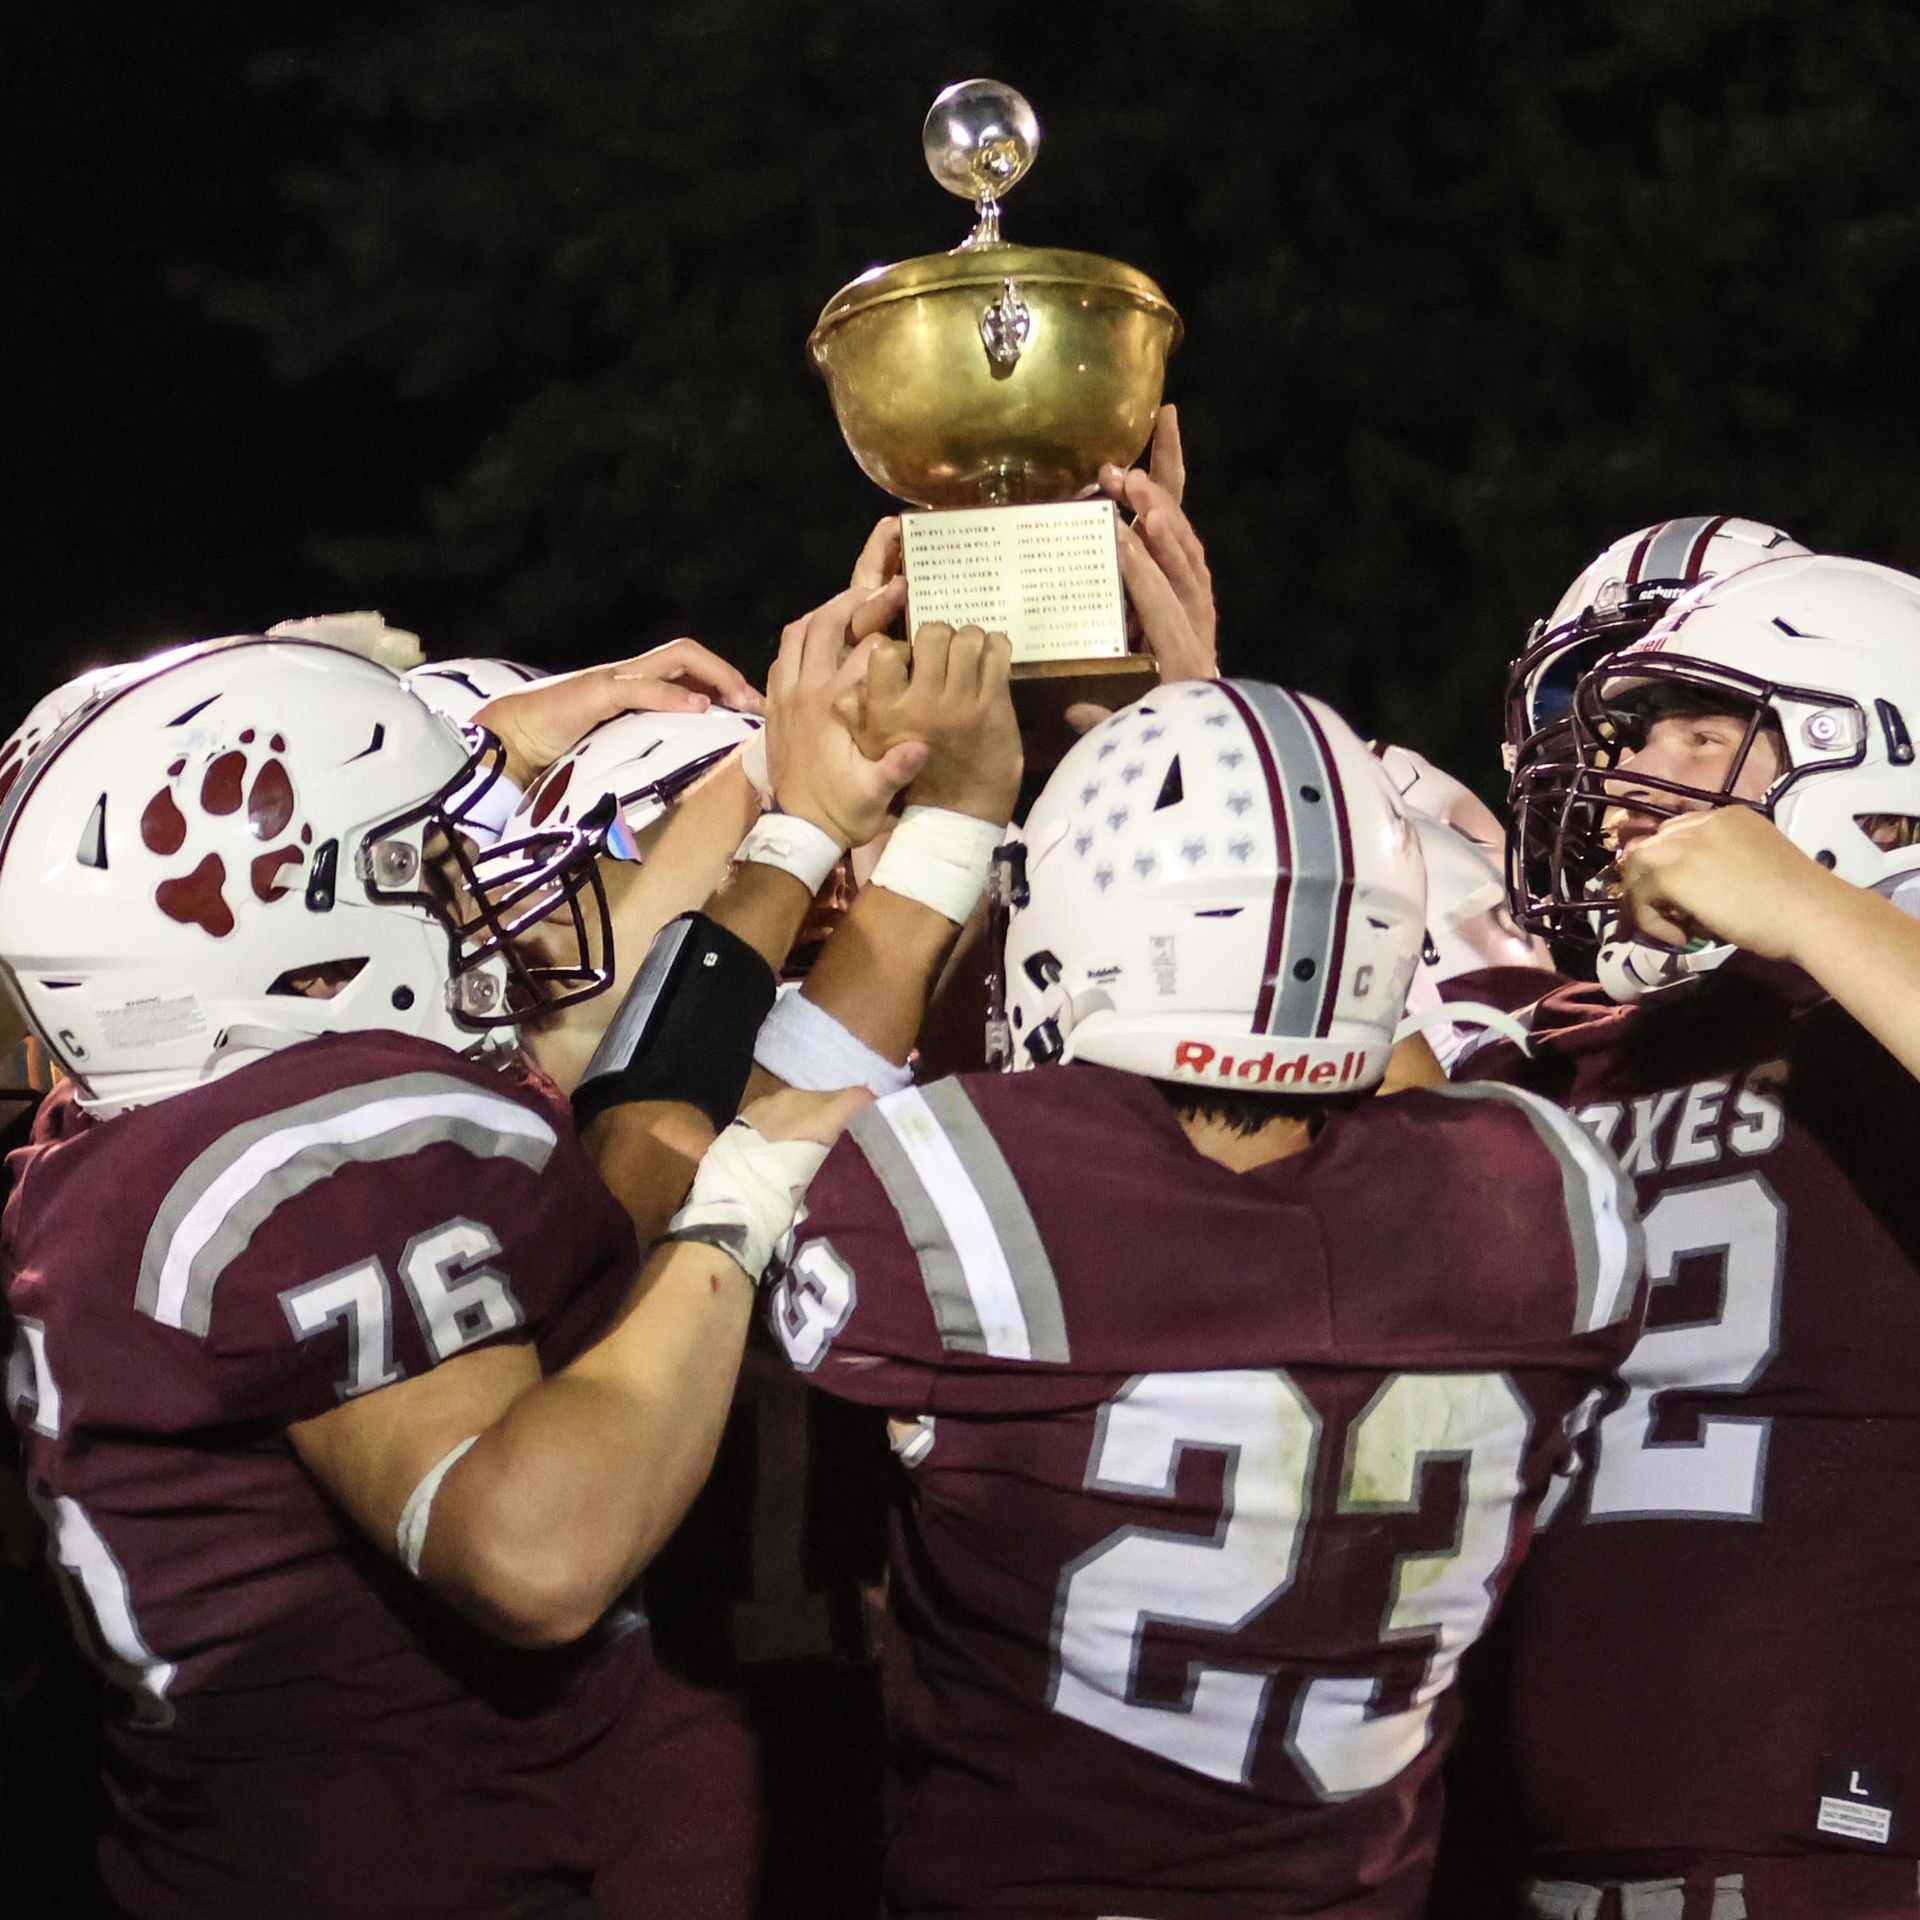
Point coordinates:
[[995, 375]]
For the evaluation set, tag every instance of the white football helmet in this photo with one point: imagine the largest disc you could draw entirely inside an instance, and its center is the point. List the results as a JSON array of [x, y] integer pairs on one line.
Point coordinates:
[[644, 760], [1826, 650], [250, 845], [1218, 887], [1614, 599], [68, 698], [458, 689]]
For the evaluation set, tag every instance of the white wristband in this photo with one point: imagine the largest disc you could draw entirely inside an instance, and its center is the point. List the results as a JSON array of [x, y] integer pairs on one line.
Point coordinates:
[[793, 845], [410, 1536], [805, 1046], [746, 1195], [941, 859]]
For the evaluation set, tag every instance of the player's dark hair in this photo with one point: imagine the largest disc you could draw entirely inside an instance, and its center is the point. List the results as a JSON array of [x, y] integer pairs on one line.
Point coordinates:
[[1246, 1113]]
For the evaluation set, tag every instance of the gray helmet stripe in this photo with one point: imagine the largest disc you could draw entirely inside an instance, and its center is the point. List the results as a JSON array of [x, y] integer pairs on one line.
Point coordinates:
[[1667, 556], [232, 1188], [1314, 893]]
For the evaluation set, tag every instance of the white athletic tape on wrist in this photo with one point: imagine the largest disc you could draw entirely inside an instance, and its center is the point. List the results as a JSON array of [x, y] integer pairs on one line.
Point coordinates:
[[805, 1046], [793, 845], [410, 1536], [746, 1195], [753, 763], [941, 859]]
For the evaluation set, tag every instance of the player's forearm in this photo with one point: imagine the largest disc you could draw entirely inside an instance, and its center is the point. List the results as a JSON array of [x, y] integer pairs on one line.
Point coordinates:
[[647, 1153], [877, 973], [554, 1511], [1865, 952], [764, 906]]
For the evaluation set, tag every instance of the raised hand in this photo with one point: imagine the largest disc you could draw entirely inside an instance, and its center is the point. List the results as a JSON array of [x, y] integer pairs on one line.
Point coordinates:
[[883, 558], [950, 689], [540, 721], [1162, 561], [1727, 873], [814, 696]]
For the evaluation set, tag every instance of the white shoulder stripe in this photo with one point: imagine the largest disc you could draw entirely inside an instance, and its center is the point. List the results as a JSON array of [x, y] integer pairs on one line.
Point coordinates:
[[967, 1224], [1609, 1247], [232, 1189]]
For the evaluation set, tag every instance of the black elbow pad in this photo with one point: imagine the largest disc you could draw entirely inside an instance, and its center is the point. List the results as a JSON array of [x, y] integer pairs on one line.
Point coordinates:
[[685, 1030]]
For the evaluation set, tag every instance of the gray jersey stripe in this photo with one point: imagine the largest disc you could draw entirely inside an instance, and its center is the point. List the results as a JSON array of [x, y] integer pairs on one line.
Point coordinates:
[[1603, 1217], [940, 1270], [1672, 545], [993, 1180], [216, 1206], [1313, 894]]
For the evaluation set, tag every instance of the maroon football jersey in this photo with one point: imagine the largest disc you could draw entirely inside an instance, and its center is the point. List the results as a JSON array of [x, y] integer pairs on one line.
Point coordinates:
[[1215, 1476], [302, 1727], [1714, 1650]]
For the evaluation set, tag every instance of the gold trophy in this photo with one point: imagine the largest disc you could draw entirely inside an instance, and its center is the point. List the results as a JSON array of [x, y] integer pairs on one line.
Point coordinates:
[[988, 386]]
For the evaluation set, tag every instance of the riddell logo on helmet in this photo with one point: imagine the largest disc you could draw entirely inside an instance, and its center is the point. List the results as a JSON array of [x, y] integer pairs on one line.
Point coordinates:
[[1266, 1069]]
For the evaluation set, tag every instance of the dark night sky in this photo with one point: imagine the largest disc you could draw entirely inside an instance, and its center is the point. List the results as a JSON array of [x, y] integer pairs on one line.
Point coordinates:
[[1468, 294], [165, 480]]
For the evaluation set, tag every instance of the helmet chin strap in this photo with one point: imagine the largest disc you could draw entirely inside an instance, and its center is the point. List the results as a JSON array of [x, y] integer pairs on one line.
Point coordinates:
[[1466, 1013], [1629, 970], [242, 1038]]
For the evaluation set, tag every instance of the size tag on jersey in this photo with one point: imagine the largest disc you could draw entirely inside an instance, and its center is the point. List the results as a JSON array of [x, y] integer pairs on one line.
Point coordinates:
[[1856, 1803]]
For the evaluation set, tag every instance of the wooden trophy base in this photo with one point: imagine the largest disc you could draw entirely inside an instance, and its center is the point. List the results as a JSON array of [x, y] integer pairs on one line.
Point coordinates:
[[1043, 690]]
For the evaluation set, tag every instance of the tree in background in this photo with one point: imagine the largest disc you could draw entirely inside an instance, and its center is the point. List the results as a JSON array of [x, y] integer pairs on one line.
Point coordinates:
[[1469, 291]]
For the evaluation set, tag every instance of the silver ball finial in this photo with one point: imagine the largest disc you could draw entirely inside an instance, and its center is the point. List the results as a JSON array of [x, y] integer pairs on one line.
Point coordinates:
[[980, 138]]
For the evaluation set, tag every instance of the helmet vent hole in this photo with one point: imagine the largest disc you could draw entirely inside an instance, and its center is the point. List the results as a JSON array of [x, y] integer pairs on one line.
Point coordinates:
[[1171, 790], [376, 741], [1311, 795], [1304, 969], [1825, 858], [193, 711], [403, 998], [92, 851], [318, 982]]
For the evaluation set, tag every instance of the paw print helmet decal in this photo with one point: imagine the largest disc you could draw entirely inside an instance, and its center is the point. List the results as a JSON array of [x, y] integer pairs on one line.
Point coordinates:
[[257, 841], [1248, 915]]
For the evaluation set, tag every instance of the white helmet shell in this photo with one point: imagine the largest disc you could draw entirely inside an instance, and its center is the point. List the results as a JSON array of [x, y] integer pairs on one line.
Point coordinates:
[[1830, 647], [458, 689], [1614, 599], [202, 834], [1217, 887], [644, 760]]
